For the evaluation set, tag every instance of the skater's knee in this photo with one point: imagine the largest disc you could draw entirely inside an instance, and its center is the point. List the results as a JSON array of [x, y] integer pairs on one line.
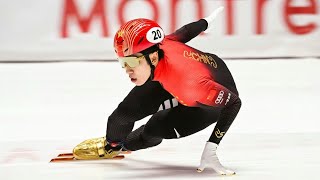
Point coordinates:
[[150, 140], [142, 141], [162, 132]]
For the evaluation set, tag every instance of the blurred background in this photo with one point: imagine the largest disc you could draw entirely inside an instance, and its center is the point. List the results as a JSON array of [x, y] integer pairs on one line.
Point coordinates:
[[59, 78], [41, 30]]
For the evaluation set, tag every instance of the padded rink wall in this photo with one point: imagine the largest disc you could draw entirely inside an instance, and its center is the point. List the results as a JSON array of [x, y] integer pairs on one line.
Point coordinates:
[[66, 30]]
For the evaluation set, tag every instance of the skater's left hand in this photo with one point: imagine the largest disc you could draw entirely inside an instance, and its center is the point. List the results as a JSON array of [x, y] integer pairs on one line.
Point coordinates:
[[212, 17], [210, 159]]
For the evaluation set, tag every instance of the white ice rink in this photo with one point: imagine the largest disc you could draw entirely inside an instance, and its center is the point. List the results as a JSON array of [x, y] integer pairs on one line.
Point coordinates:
[[48, 108]]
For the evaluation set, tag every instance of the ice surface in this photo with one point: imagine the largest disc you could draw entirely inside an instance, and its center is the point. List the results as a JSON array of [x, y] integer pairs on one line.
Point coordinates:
[[252, 156], [48, 108]]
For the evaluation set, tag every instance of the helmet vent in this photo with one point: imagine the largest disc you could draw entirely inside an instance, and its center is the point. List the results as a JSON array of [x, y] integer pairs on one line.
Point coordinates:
[[140, 40], [126, 50]]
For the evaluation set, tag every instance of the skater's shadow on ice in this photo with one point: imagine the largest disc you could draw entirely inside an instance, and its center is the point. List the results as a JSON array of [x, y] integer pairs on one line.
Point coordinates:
[[155, 170]]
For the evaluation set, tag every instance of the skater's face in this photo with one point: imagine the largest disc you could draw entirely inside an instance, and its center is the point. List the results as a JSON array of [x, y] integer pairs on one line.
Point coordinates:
[[141, 72]]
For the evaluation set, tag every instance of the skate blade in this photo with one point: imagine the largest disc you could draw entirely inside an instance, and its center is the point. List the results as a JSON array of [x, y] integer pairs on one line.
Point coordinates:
[[71, 154], [67, 157], [65, 154]]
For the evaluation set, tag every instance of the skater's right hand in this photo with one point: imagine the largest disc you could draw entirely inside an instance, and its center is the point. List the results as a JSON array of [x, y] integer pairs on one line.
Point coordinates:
[[210, 159]]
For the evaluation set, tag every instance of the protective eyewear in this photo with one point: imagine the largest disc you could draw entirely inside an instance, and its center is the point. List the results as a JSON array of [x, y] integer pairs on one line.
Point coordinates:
[[131, 61]]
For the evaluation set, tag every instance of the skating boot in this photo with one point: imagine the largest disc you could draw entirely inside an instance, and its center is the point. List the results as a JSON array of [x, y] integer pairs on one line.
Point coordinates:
[[96, 148]]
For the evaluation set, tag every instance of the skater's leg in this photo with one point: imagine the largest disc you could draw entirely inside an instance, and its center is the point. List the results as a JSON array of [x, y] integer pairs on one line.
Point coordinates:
[[177, 122], [139, 139]]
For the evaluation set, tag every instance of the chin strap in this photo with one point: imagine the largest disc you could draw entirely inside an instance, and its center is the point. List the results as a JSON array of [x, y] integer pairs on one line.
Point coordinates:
[[151, 65], [146, 54]]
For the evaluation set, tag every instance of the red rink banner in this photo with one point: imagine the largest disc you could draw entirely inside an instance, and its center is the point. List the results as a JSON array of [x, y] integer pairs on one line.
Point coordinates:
[[84, 29]]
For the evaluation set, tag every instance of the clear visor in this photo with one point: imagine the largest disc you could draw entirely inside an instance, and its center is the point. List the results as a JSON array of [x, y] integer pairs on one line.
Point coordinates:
[[131, 61]]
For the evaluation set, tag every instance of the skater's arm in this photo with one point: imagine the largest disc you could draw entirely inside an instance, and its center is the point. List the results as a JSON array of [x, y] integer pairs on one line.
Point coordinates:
[[141, 102], [191, 30], [121, 121]]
